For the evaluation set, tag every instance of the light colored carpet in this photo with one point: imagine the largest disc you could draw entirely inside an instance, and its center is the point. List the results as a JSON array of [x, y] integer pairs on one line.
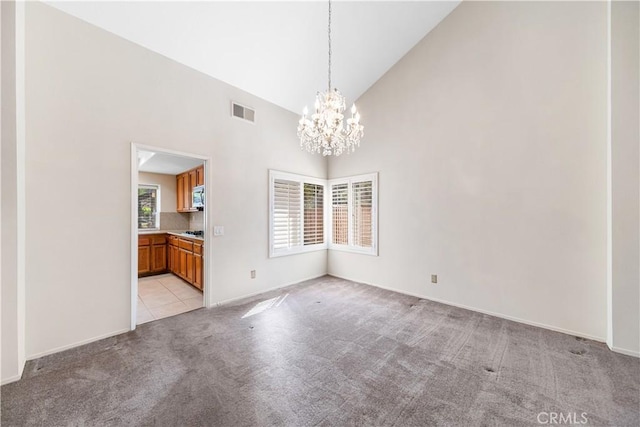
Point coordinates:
[[329, 352]]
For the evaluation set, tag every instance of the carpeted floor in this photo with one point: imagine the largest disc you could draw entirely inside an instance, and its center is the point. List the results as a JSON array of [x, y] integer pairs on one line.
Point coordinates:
[[329, 352]]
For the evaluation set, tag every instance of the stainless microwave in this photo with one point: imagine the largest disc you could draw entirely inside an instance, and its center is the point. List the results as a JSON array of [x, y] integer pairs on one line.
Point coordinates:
[[197, 198]]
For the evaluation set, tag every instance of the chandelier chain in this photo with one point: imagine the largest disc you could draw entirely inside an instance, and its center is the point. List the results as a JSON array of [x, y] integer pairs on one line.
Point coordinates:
[[329, 33]]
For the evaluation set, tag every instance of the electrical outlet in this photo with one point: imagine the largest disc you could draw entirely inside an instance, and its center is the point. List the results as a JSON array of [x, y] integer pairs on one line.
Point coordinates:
[[434, 278], [253, 274]]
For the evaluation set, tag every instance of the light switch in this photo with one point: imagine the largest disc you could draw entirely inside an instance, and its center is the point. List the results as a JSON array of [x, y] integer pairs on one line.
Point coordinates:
[[218, 230]]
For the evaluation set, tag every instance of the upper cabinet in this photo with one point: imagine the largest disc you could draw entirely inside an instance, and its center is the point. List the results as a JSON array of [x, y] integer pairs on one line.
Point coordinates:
[[184, 187]]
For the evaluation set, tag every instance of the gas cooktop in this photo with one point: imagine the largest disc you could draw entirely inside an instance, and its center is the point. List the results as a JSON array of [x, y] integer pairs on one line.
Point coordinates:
[[198, 233]]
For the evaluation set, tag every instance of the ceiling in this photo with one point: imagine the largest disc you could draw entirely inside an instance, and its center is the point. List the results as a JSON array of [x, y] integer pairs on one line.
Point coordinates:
[[274, 50], [169, 164]]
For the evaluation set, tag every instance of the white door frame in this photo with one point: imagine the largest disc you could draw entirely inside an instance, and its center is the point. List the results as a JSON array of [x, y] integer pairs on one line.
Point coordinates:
[[206, 262]]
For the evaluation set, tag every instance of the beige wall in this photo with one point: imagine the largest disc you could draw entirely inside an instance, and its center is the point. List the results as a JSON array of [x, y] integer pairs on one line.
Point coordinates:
[[625, 134], [167, 185], [490, 140], [89, 95]]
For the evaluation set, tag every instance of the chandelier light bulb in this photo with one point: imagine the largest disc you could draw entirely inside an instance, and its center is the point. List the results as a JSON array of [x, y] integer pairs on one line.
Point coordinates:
[[305, 111], [353, 109]]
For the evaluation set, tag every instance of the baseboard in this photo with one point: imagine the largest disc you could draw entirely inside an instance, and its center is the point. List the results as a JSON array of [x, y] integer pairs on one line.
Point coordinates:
[[625, 351], [76, 344], [10, 379], [479, 310], [275, 288]]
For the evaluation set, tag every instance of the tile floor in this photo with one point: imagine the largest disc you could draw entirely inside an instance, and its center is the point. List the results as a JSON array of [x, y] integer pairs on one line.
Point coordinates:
[[164, 296]]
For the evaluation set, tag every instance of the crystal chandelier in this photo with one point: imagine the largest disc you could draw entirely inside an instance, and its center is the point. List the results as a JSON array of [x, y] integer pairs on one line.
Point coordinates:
[[324, 130]]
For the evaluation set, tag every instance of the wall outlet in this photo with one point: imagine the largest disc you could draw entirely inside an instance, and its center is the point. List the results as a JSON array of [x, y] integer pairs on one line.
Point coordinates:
[[434, 278], [253, 274], [218, 230]]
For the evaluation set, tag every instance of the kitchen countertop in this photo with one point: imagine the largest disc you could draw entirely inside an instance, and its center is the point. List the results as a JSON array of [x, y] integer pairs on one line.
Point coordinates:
[[173, 232]]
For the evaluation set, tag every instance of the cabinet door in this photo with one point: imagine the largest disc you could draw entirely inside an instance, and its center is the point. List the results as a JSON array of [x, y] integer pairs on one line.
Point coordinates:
[[190, 267], [200, 176], [159, 260], [144, 259], [186, 192], [197, 278], [180, 193], [182, 268], [176, 260]]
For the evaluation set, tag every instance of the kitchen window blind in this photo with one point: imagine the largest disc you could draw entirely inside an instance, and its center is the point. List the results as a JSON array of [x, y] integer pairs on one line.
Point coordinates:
[[148, 207]]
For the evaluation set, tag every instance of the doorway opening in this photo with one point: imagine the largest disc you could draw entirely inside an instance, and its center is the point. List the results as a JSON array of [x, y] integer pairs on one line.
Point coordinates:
[[169, 232]]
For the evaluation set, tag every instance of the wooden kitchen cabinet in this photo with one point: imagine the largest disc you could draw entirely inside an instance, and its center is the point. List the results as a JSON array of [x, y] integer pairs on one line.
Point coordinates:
[[200, 175], [184, 188], [197, 264], [144, 259], [152, 254], [185, 259], [180, 193]]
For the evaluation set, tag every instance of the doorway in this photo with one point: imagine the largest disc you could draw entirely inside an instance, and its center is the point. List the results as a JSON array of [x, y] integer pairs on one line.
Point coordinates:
[[169, 244]]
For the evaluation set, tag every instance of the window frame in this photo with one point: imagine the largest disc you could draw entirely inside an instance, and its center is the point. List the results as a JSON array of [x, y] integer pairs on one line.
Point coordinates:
[[158, 206], [350, 247], [301, 179]]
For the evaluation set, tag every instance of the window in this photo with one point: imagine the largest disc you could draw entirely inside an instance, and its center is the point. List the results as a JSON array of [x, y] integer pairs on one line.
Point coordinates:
[[354, 203], [296, 214], [148, 207]]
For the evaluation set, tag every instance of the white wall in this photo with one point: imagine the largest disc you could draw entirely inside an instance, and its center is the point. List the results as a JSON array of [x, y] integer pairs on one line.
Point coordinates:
[[167, 185], [490, 140], [89, 95], [625, 168], [12, 184]]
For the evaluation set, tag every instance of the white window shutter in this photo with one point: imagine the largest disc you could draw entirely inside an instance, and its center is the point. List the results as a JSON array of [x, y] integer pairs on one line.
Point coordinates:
[[362, 214], [313, 214], [340, 214], [287, 219]]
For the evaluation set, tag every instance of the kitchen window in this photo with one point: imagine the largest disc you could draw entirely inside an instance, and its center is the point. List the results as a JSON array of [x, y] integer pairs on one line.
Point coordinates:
[[148, 207], [296, 214]]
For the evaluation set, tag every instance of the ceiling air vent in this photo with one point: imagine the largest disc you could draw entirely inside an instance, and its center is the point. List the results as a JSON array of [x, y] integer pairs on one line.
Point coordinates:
[[242, 112]]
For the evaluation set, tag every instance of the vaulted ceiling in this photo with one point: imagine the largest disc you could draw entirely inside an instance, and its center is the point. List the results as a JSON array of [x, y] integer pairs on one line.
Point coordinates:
[[275, 50]]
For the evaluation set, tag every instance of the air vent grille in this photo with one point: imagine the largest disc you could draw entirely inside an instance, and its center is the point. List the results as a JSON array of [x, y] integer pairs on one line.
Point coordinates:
[[242, 112]]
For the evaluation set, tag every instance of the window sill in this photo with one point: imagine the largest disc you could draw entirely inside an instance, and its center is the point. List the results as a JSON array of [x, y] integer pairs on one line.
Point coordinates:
[[354, 250], [296, 251]]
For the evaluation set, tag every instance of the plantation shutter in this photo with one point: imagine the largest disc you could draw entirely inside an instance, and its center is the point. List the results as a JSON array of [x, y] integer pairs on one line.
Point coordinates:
[[362, 207], [287, 220], [340, 213], [313, 214]]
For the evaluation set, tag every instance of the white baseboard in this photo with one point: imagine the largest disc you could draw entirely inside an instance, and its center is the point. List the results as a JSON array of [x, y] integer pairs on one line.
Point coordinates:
[[76, 344], [275, 288], [121, 331], [479, 310], [625, 351], [10, 379]]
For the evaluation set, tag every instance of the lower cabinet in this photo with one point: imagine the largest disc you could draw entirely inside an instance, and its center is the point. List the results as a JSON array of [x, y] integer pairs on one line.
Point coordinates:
[[152, 254], [144, 259], [185, 259]]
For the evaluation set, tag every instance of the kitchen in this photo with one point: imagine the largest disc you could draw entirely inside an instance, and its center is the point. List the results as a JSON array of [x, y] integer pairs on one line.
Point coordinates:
[[171, 240]]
